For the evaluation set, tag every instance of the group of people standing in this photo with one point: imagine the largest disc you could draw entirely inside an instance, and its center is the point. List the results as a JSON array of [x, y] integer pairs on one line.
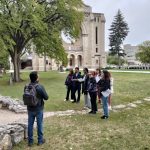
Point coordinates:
[[94, 84]]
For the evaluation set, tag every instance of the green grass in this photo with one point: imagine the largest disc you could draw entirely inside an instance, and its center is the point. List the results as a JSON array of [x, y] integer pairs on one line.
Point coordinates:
[[126, 130], [53, 83], [128, 87]]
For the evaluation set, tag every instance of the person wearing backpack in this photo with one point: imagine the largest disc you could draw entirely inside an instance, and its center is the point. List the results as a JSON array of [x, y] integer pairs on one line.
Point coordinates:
[[36, 94]]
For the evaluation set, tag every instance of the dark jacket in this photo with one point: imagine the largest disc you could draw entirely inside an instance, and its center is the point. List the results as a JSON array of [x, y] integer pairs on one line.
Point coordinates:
[[104, 85], [85, 84], [92, 85], [68, 81], [41, 95], [77, 84]]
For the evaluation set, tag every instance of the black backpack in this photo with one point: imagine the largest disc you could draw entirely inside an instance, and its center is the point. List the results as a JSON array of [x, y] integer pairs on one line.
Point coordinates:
[[30, 95]]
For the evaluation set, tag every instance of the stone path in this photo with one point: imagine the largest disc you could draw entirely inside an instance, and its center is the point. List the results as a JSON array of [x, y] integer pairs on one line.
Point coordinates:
[[10, 117], [7, 116]]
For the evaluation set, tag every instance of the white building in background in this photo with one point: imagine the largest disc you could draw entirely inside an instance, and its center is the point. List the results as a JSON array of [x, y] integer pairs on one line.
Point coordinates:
[[87, 51], [130, 56]]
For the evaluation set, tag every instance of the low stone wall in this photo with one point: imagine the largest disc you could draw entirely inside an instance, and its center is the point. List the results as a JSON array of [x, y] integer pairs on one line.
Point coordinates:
[[12, 134], [12, 104]]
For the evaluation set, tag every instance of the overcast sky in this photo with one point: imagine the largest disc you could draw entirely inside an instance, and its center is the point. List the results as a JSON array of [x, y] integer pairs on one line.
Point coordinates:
[[136, 13]]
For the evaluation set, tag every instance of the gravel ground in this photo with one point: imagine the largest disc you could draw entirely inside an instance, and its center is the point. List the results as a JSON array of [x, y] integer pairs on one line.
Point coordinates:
[[7, 116], [10, 117]]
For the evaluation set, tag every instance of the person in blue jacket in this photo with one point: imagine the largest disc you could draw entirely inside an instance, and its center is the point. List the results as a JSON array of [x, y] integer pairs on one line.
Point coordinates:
[[36, 111]]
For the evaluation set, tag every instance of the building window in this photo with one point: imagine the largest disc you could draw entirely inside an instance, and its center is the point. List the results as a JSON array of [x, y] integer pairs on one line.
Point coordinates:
[[98, 19], [46, 62], [95, 19], [96, 61], [96, 35], [96, 50]]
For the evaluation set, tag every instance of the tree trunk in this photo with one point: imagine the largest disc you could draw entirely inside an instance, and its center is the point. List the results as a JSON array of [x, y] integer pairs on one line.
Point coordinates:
[[45, 62], [119, 63], [16, 63]]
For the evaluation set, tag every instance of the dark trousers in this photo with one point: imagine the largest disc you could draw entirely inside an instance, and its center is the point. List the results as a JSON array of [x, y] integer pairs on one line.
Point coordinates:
[[69, 89], [93, 96], [76, 89]]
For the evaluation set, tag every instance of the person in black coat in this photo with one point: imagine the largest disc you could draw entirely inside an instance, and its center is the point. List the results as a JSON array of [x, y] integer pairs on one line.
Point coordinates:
[[76, 85], [85, 82], [69, 85], [92, 89]]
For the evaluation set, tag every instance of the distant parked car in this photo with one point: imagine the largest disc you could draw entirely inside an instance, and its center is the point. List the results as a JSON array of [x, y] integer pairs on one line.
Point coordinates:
[[111, 66]]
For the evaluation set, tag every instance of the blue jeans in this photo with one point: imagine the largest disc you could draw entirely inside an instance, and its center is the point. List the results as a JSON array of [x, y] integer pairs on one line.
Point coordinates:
[[31, 118], [105, 105]]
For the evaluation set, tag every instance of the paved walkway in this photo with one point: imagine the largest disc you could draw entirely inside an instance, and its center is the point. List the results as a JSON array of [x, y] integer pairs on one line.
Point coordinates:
[[130, 71], [10, 117]]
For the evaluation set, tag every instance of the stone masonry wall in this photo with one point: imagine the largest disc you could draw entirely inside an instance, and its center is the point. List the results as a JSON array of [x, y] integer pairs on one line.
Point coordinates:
[[13, 133]]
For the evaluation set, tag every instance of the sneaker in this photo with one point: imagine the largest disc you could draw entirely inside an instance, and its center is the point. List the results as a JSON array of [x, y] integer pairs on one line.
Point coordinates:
[[92, 112], [85, 108], [42, 142], [104, 117], [71, 100], [66, 100]]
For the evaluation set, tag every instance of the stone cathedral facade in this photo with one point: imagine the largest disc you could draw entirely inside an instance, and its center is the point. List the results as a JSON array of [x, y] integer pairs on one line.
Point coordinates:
[[87, 51]]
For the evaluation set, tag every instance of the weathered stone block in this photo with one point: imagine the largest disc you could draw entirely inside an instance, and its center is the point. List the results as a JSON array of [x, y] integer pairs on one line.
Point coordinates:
[[6, 143], [17, 135]]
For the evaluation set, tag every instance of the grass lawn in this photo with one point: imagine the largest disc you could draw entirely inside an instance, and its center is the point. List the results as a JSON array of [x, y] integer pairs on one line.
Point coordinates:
[[128, 87], [126, 130]]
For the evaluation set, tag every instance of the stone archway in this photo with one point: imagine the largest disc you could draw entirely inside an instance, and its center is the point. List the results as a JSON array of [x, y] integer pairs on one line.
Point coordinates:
[[72, 60], [80, 60]]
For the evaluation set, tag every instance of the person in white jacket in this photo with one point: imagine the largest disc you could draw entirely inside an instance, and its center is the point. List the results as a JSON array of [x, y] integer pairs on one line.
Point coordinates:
[[98, 77]]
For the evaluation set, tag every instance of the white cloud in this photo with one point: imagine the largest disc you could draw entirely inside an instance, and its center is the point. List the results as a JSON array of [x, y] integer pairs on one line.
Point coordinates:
[[136, 13]]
